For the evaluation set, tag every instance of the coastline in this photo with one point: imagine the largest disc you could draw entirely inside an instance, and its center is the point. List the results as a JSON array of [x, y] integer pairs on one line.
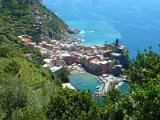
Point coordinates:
[[84, 80], [81, 59], [77, 70], [96, 60], [104, 84]]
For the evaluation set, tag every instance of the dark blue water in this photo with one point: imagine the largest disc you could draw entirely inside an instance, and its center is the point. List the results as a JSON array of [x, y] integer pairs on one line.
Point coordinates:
[[135, 22]]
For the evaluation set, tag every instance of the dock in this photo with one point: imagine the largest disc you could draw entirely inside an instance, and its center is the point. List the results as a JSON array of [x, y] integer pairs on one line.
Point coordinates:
[[106, 82]]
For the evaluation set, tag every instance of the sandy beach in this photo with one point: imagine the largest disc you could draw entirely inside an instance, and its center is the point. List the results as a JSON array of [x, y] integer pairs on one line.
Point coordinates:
[[77, 70]]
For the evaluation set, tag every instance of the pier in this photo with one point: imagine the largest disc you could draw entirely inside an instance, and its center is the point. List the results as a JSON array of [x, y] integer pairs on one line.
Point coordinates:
[[106, 82]]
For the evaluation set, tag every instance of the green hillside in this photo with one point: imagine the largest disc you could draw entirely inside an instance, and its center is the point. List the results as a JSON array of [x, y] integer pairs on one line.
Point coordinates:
[[30, 17], [24, 84]]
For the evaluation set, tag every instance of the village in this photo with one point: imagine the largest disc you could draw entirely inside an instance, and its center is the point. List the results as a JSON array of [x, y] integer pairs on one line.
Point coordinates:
[[106, 61]]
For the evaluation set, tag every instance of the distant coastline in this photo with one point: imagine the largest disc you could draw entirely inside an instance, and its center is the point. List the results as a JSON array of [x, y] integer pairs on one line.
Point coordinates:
[[98, 60], [136, 31]]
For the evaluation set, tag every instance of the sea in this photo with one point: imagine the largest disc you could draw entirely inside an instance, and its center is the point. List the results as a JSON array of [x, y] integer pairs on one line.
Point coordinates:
[[135, 22]]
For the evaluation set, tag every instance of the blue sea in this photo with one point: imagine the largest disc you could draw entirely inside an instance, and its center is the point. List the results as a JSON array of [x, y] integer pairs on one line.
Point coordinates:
[[135, 22]]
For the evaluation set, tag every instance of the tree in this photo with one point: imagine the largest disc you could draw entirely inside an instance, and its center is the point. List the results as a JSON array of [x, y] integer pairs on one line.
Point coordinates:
[[12, 96], [143, 99], [27, 114], [145, 66], [71, 105], [63, 75]]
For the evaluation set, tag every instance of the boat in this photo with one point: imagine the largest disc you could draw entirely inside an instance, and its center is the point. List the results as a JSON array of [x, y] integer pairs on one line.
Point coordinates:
[[78, 83], [98, 87], [81, 40], [97, 77]]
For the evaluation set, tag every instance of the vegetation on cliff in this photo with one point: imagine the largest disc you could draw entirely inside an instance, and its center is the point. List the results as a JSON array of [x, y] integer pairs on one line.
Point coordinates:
[[30, 17]]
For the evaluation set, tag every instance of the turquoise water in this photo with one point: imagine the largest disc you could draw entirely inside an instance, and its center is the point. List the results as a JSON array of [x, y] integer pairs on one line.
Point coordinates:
[[87, 81], [135, 22], [84, 81]]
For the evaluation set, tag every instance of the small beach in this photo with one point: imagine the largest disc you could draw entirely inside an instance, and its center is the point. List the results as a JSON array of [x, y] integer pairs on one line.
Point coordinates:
[[83, 80]]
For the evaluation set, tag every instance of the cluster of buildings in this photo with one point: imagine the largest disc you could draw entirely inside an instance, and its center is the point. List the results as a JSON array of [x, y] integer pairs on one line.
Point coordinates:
[[100, 59], [94, 59]]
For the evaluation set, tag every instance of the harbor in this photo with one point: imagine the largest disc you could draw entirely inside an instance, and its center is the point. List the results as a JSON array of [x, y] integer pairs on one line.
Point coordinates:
[[88, 64], [98, 85], [107, 81]]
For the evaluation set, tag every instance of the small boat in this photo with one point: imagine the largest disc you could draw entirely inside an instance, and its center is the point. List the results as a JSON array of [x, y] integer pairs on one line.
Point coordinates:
[[97, 77], [98, 87], [79, 82], [81, 40]]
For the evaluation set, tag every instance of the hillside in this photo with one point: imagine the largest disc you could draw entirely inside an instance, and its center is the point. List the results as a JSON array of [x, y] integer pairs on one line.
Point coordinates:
[[19, 17], [23, 81], [30, 17]]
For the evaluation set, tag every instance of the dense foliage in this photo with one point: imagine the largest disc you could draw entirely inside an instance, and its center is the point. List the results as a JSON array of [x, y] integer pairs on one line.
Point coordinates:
[[146, 66], [25, 86], [142, 101], [70, 105], [29, 92], [63, 74]]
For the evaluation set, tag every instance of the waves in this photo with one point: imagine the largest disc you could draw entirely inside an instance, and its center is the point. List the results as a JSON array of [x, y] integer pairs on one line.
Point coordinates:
[[82, 32]]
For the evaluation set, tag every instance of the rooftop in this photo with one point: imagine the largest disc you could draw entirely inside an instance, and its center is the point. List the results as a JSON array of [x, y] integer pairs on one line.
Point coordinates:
[[116, 54], [47, 60], [55, 68]]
